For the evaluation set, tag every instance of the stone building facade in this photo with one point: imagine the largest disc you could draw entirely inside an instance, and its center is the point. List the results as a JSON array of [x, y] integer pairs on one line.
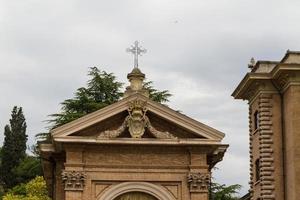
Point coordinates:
[[272, 90], [134, 149]]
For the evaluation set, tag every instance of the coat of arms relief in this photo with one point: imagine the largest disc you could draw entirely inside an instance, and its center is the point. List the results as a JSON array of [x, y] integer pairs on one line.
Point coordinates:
[[136, 122]]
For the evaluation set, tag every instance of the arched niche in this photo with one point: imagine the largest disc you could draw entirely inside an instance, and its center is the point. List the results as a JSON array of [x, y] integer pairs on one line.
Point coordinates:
[[115, 191]]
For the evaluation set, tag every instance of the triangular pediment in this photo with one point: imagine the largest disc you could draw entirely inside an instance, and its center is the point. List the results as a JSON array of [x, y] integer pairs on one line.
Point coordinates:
[[113, 122]]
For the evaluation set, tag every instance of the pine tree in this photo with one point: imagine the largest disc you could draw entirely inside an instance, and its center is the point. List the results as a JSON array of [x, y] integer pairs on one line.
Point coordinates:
[[224, 192], [102, 90], [14, 147]]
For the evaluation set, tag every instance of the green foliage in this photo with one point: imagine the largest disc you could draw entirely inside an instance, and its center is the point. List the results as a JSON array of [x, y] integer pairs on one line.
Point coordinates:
[[42, 137], [18, 129], [34, 190], [29, 168], [14, 147], [13, 197], [102, 90], [223, 192], [0, 161], [18, 190], [1, 191], [37, 187], [155, 95], [16, 167]]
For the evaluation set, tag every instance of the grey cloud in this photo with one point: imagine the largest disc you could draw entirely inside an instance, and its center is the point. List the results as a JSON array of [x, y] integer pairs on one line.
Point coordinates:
[[47, 47]]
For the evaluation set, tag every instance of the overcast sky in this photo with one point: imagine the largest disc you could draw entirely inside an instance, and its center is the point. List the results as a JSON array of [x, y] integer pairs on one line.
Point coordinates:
[[198, 50]]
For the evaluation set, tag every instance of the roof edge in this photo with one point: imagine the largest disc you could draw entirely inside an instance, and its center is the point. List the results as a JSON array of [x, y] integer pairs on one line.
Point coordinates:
[[246, 82]]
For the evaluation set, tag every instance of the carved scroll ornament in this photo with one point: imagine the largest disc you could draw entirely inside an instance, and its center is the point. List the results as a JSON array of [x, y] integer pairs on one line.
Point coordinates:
[[198, 182], [136, 122], [73, 180]]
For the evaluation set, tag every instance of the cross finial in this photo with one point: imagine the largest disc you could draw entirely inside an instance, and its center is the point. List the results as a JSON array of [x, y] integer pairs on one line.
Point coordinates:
[[137, 51]]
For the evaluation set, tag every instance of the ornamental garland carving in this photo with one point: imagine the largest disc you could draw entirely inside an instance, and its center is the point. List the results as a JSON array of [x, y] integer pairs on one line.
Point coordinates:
[[136, 122], [198, 182], [113, 133], [159, 134], [73, 180]]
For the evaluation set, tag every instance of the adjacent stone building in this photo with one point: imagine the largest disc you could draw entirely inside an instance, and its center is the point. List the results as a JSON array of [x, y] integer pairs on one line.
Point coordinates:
[[273, 93], [134, 149]]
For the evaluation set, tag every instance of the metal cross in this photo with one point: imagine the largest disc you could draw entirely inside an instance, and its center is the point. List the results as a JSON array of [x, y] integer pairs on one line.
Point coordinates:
[[137, 51]]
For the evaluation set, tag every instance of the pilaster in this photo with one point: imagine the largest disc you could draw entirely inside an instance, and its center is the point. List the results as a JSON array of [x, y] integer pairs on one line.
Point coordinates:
[[73, 176], [199, 177], [292, 141]]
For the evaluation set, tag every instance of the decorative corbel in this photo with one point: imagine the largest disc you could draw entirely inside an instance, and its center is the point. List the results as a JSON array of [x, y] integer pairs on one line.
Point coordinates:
[[73, 180], [198, 182]]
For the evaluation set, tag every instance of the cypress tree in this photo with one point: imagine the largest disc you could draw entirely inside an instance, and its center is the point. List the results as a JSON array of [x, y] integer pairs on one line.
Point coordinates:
[[14, 147]]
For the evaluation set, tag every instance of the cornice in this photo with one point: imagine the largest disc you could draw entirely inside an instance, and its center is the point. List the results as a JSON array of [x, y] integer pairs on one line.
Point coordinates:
[[216, 156], [46, 148], [212, 147], [138, 141], [92, 118], [250, 85], [281, 77], [284, 67], [185, 121]]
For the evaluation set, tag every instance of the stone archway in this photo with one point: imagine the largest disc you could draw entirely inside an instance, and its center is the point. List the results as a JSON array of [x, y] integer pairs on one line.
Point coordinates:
[[158, 192], [135, 196]]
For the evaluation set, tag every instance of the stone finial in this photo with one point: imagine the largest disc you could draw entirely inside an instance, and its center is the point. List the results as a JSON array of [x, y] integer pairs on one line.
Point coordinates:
[[252, 63], [136, 79]]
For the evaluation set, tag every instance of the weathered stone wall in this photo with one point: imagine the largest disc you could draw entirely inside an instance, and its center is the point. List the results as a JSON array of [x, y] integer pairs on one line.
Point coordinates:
[[266, 145], [292, 141], [181, 172], [254, 152]]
